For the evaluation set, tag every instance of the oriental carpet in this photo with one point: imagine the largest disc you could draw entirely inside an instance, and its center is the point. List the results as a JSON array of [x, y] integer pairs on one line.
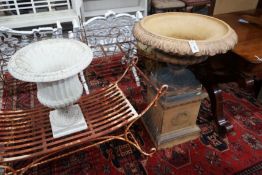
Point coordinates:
[[210, 154]]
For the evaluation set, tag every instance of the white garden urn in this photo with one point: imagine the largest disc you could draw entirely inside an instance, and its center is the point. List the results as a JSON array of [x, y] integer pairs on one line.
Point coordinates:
[[54, 65]]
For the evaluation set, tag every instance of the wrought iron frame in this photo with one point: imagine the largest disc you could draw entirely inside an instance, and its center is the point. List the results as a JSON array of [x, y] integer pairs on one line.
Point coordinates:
[[124, 115]]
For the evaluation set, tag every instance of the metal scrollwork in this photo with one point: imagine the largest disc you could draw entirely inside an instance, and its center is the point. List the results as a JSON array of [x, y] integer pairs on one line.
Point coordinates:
[[12, 40], [110, 29], [112, 34]]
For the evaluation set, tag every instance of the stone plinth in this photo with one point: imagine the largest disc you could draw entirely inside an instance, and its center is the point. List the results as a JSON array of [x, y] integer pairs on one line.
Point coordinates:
[[173, 123]]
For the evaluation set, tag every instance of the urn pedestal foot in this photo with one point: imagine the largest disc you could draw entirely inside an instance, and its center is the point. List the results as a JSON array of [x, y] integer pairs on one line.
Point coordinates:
[[67, 121], [173, 123], [177, 137]]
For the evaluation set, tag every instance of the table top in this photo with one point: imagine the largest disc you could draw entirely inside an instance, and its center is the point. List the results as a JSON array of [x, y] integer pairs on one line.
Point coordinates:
[[249, 35]]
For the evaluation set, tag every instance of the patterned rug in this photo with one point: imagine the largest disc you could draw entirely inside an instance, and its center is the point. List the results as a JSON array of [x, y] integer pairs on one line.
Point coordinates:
[[239, 152], [208, 155]]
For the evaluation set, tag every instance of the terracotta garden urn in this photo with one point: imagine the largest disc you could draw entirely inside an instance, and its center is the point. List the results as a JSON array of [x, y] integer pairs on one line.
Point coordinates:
[[167, 43]]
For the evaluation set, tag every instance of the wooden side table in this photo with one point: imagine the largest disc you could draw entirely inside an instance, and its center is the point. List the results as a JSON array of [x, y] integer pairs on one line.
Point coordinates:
[[247, 55], [241, 65]]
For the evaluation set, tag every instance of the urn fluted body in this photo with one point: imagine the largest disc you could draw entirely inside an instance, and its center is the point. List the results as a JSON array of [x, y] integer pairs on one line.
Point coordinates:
[[54, 65]]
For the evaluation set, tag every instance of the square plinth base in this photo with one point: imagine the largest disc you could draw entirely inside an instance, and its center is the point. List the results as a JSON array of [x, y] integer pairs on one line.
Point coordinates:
[[171, 139], [173, 123], [78, 125]]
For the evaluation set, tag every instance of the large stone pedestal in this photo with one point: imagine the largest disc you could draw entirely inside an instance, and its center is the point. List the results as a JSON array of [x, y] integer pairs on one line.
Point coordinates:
[[173, 123], [179, 39], [173, 120]]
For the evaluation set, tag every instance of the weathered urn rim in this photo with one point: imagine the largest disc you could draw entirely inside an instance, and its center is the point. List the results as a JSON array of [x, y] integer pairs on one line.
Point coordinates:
[[50, 60], [154, 31]]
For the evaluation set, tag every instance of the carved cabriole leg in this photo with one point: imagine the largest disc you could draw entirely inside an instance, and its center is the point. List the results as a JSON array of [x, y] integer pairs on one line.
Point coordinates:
[[216, 99], [210, 81]]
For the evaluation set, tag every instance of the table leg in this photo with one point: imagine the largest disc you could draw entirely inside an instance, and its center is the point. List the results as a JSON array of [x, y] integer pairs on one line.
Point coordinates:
[[216, 99], [247, 82], [210, 81]]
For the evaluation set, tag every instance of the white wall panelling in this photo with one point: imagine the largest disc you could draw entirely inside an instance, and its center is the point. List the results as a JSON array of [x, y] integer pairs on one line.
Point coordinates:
[[92, 8], [21, 13]]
